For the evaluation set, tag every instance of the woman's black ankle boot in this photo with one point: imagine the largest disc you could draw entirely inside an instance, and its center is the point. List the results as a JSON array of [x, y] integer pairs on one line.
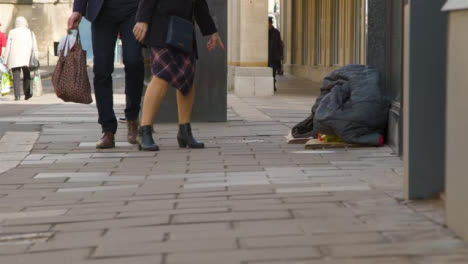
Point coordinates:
[[145, 139], [185, 138]]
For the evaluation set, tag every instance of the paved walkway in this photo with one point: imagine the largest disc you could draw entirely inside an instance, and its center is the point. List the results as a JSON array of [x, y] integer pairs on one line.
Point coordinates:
[[248, 198]]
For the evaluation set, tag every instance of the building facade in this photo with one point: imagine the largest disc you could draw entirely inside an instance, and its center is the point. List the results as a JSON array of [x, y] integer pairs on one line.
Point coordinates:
[[420, 52], [248, 72], [322, 35], [47, 18]]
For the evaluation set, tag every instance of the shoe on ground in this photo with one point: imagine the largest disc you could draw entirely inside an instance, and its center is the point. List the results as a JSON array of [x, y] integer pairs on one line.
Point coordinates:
[[185, 138], [107, 141], [145, 139], [132, 131]]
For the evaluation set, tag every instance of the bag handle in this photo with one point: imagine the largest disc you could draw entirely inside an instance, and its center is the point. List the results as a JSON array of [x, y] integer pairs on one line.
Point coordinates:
[[32, 44], [77, 43], [78, 38]]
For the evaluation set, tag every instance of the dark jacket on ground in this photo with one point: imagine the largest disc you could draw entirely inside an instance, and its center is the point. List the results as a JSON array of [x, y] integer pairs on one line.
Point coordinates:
[[275, 45], [157, 13], [89, 8]]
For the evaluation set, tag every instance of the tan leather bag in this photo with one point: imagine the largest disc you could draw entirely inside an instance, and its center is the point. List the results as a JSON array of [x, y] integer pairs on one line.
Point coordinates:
[[70, 78]]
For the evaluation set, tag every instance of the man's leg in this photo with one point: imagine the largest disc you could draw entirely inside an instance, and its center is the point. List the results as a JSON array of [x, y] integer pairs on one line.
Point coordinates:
[[104, 35], [17, 82], [134, 69], [134, 76], [27, 83], [273, 65]]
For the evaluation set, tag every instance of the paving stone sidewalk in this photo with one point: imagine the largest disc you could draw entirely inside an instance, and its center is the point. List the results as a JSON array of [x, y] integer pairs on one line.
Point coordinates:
[[248, 198]]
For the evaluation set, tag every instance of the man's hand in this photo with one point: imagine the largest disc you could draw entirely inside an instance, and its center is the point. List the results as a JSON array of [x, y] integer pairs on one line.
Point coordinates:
[[74, 20], [140, 30], [215, 41]]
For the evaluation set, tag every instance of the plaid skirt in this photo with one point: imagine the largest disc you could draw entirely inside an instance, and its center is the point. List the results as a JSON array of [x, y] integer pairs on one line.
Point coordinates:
[[175, 67]]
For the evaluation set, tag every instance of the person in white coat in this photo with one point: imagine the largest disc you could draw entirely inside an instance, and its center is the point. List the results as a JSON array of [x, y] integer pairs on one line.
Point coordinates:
[[21, 45]]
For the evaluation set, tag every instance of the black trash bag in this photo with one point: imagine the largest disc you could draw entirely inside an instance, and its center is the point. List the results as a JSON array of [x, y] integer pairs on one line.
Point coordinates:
[[352, 105], [305, 129]]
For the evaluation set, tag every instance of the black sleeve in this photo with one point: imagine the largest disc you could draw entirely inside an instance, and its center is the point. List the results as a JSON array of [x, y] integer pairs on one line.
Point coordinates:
[[80, 6], [145, 10], [203, 18]]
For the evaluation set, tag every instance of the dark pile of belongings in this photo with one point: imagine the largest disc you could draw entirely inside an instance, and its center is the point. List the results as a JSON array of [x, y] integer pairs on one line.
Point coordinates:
[[352, 105]]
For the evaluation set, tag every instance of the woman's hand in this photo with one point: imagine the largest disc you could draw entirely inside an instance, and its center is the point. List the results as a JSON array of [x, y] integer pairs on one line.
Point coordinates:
[[140, 31], [215, 41]]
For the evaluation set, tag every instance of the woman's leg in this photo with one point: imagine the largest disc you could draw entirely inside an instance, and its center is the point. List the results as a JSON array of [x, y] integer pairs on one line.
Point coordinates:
[[154, 96], [185, 105]]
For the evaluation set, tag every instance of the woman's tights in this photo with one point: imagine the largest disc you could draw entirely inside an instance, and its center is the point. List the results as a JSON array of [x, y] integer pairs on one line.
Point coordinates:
[[155, 93]]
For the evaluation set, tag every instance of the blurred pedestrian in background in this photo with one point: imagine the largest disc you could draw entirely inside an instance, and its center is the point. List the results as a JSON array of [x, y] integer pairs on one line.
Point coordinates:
[[3, 39], [20, 49], [275, 49]]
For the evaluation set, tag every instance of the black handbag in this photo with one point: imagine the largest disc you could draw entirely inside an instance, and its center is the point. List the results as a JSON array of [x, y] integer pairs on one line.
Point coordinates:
[[180, 34], [33, 60]]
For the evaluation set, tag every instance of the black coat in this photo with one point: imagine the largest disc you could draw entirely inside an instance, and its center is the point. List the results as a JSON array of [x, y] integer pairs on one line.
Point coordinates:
[[157, 13], [275, 45], [88, 8]]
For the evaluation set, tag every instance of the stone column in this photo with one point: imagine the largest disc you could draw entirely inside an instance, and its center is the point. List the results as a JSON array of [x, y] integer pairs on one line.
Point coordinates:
[[249, 74], [377, 35], [424, 104], [457, 126]]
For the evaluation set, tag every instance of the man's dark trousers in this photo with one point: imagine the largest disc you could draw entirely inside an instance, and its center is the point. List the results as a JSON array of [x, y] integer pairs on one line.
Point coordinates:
[[114, 17], [275, 65], [26, 81]]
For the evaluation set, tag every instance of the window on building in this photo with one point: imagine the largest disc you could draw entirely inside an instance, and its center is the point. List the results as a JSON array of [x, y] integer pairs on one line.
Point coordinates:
[[335, 56], [357, 42], [318, 32]]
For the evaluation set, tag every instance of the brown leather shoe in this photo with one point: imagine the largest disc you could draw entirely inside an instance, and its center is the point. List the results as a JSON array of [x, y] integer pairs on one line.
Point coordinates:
[[107, 141], [132, 131]]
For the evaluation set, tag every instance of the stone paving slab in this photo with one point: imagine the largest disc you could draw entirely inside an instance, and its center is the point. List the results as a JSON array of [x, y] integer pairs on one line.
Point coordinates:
[[445, 259], [71, 256], [244, 255], [151, 248], [385, 260], [249, 197], [36, 214], [15, 147], [316, 240], [98, 188], [397, 249]]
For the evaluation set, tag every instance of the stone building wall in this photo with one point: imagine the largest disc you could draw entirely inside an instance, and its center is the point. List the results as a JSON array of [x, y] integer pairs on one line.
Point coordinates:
[[46, 18]]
